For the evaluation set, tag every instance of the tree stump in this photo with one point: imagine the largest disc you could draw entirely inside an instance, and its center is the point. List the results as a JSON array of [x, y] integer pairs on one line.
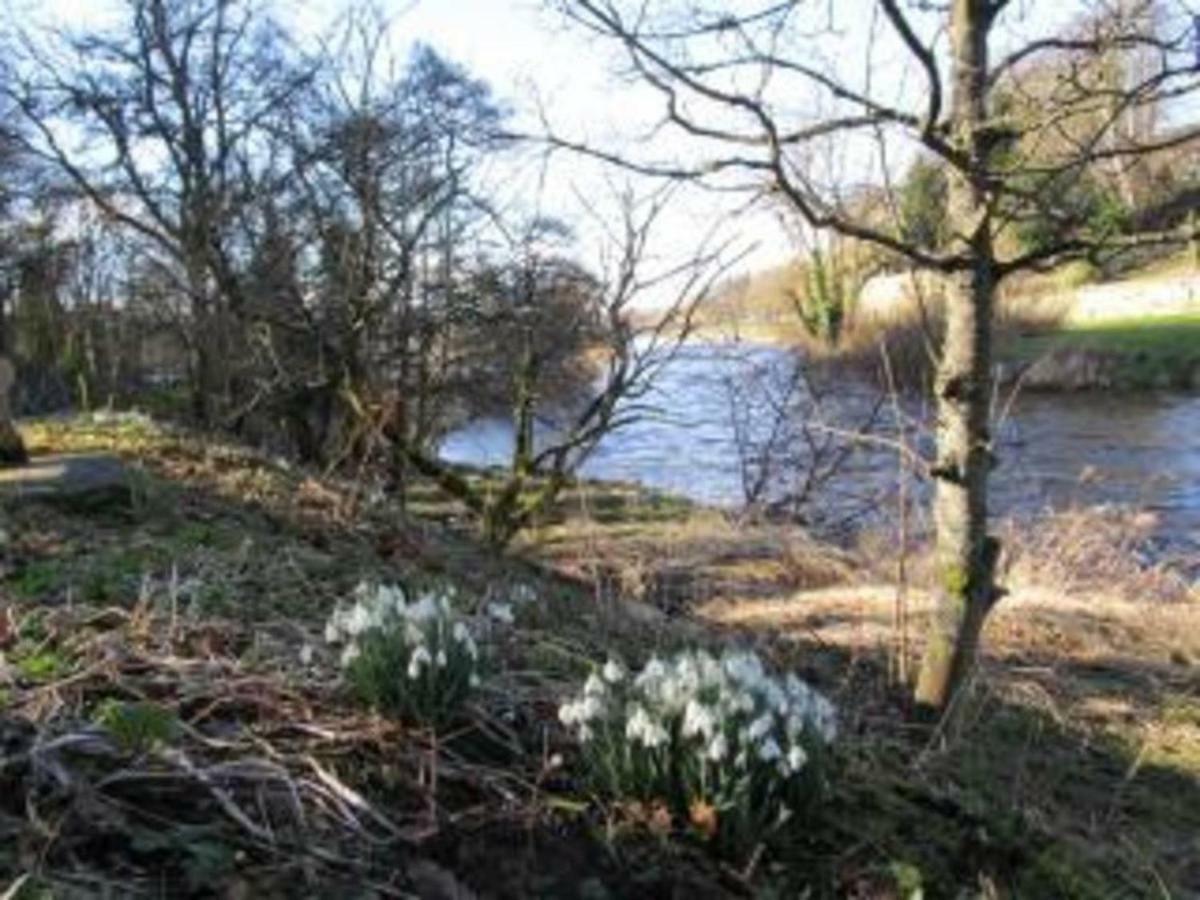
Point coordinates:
[[79, 483]]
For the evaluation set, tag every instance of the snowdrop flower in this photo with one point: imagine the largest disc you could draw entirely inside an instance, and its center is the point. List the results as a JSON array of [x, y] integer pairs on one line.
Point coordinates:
[[769, 750], [796, 758], [306, 655], [717, 748], [613, 671], [419, 657], [594, 686], [759, 728], [652, 673], [581, 711], [744, 668], [568, 714], [424, 610], [333, 631], [716, 726], [434, 643], [698, 720], [643, 729], [501, 612], [592, 708]]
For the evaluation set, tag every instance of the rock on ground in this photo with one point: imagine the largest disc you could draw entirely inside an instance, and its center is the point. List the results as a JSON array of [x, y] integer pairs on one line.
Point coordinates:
[[80, 481]]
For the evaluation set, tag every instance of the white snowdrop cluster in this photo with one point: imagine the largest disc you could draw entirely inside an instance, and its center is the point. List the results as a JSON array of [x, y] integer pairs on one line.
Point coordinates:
[[414, 656], [723, 709], [721, 731], [505, 603], [424, 624]]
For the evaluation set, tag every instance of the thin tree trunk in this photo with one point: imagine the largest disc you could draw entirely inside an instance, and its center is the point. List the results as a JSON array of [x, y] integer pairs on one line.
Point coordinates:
[[523, 407], [965, 554]]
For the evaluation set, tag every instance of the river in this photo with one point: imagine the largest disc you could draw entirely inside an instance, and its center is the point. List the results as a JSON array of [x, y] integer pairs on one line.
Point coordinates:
[[712, 401]]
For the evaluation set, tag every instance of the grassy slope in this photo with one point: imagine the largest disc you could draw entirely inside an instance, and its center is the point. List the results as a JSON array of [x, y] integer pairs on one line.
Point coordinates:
[[1077, 773], [1150, 351]]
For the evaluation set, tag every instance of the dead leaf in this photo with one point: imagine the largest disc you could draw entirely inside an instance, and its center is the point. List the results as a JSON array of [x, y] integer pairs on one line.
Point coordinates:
[[659, 821], [703, 816]]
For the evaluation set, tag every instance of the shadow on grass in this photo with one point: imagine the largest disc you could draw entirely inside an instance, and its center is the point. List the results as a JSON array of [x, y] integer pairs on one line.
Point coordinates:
[[1028, 796]]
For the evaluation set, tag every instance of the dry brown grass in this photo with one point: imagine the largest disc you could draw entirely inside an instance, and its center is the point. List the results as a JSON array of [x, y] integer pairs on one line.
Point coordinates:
[[910, 330], [690, 555], [1085, 712], [910, 333], [204, 604], [1096, 553], [1083, 729]]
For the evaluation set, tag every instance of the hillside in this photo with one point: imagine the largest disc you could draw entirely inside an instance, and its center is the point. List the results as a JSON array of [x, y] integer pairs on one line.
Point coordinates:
[[173, 719]]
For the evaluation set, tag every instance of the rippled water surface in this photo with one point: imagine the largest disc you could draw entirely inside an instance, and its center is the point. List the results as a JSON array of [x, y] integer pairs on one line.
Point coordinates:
[[1055, 450]]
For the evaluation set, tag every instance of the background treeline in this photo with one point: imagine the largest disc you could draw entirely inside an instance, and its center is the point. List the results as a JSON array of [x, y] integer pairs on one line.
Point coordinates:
[[1076, 172], [304, 247]]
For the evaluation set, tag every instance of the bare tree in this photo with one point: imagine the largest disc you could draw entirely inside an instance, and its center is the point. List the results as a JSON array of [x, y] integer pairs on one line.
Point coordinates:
[[356, 273], [169, 108], [750, 89], [542, 291]]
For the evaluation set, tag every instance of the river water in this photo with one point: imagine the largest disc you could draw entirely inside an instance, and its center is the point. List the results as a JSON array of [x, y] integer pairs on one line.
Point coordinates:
[[713, 408]]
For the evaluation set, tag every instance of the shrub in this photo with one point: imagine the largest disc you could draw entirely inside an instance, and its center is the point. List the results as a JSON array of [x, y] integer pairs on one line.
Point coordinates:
[[923, 205], [828, 285], [719, 743], [415, 660]]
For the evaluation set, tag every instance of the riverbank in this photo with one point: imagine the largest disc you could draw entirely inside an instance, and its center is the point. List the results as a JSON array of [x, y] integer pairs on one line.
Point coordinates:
[[1140, 353], [1127, 354], [1139, 333], [1076, 774]]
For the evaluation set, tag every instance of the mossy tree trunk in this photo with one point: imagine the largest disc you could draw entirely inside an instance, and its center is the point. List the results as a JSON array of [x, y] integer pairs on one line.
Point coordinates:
[[965, 553]]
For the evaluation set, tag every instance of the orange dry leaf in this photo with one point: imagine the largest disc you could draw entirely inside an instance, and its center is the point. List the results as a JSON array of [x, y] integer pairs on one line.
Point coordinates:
[[659, 821], [703, 816]]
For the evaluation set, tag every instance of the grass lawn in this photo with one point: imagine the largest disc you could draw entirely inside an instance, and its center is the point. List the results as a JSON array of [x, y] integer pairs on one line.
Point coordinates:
[[1147, 351]]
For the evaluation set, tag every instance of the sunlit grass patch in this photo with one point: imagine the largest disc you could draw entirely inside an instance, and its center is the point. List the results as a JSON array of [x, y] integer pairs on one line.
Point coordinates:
[[1144, 352]]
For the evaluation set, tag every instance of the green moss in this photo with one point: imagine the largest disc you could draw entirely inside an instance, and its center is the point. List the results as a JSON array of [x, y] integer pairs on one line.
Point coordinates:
[[955, 580], [36, 581], [137, 727], [115, 577], [45, 665]]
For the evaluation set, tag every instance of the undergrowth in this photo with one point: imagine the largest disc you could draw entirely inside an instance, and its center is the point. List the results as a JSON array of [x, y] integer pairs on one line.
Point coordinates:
[[189, 730]]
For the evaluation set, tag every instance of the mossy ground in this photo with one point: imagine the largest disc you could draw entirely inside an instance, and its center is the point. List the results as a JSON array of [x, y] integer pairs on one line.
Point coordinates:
[[1074, 773]]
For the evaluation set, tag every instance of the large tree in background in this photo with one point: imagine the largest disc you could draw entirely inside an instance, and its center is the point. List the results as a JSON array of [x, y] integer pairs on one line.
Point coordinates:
[[376, 191], [157, 123], [766, 88]]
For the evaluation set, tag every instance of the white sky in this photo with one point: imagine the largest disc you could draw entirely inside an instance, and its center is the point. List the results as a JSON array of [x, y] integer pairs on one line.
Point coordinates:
[[530, 57]]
